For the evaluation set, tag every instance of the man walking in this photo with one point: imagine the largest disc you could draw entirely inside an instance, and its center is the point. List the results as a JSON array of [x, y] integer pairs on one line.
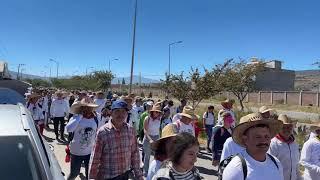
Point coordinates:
[[208, 123], [59, 110], [310, 155], [284, 147], [116, 153], [254, 133], [82, 128]]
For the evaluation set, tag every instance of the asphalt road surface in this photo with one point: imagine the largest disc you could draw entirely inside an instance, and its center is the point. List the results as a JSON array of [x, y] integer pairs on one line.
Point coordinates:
[[207, 171]]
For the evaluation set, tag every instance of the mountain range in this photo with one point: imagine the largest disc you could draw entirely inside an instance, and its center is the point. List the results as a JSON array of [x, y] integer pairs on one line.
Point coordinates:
[[136, 79]]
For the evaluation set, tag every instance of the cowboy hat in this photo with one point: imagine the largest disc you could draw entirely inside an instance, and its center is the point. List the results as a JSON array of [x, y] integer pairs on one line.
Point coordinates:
[[127, 99], [167, 132], [285, 120], [156, 108], [264, 109], [86, 102], [188, 112], [251, 120], [227, 101], [315, 126]]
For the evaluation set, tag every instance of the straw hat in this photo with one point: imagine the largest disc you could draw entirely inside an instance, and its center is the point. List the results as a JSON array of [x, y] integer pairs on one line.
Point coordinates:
[[285, 120], [127, 99], [115, 96], [315, 126], [227, 101], [264, 109], [167, 132], [188, 112], [251, 120], [156, 108], [86, 102]]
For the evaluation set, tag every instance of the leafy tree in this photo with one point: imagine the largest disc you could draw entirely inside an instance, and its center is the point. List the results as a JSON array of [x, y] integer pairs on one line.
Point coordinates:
[[195, 87], [38, 82], [239, 78]]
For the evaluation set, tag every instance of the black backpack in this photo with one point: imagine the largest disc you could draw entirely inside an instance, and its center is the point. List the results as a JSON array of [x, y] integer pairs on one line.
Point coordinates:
[[223, 164], [71, 134]]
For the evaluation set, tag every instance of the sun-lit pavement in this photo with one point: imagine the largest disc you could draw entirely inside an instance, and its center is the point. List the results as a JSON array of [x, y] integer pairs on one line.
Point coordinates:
[[207, 171]]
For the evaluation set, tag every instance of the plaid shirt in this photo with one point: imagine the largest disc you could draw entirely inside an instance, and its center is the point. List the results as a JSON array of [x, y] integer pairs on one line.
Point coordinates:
[[115, 152]]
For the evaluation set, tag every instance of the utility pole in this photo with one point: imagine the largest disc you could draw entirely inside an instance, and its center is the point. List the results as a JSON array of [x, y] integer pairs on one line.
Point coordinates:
[[19, 66], [57, 63], [133, 44]]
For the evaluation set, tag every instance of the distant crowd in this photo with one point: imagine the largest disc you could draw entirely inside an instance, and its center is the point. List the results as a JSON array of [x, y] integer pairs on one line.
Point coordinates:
[[105, 132]]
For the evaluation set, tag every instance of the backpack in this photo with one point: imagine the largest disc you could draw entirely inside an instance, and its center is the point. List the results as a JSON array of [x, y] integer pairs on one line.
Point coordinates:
[[223, 164], [71, 134]]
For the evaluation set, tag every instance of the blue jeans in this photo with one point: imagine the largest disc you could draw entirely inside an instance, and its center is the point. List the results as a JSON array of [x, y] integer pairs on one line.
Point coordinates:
[[75, 165], [209, 134]]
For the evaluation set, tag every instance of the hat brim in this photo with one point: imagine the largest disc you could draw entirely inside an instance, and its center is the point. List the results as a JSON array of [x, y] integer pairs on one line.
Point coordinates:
[[188, 115], [155, 144], [267, 110], [76, 108], [275, 127], [155, 110]]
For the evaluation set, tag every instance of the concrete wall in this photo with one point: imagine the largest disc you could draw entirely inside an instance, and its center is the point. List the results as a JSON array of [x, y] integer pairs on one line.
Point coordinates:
[[275, 80]]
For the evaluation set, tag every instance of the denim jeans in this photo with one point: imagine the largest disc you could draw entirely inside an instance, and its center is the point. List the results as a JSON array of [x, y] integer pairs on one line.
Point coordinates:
[[147, 152], [75, 165], [209, 134]]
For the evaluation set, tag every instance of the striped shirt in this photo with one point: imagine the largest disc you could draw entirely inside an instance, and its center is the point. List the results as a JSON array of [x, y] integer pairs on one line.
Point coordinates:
[[189, 175], [115, 152]]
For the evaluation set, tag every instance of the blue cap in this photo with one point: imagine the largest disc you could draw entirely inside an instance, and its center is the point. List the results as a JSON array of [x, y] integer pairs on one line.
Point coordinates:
[[119, 104]]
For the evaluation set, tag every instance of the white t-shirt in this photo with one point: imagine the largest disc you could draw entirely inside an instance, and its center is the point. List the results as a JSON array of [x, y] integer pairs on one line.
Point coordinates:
[[84, 135], [59, 108], [176, 117], [230, 148], [100, 103], [185, 127], [153, 126], [310, 159], [209, 118], [256, 170]]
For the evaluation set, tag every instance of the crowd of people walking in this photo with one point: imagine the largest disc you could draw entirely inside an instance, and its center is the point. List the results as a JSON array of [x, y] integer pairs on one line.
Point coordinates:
[[105, 132]]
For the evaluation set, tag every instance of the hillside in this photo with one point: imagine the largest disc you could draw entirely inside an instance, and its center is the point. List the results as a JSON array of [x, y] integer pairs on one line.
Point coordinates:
[[307, 80]]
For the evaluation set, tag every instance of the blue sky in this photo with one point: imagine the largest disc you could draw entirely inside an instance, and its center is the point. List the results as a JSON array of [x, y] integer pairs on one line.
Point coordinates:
[[82, 34]]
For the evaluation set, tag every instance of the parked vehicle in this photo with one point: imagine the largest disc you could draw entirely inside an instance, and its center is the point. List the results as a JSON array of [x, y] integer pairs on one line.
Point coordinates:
[[23, 153]]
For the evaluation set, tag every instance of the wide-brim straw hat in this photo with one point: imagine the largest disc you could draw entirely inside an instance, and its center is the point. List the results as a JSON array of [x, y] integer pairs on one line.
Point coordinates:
[[251, 120], [156, 108], [86, 102], [264, 109], [188, 112], [227, 101], [286, 120], [167, 132], [315, 126], [127, 99]]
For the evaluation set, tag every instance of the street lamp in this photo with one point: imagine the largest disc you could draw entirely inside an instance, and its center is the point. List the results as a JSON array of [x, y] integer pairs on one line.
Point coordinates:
[[57, 63], [21, 75], [18, 75], [48, 67], [133, 44], [110, 63], [177, 42], [87, 70]]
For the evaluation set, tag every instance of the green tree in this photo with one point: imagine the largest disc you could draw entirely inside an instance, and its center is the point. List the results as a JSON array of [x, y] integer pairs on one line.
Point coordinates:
[[239, 78], [195, 87], [123, 81], [38, 82]]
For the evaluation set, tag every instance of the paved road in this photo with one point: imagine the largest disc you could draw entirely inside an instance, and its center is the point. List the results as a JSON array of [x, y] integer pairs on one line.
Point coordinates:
[[207, 171]]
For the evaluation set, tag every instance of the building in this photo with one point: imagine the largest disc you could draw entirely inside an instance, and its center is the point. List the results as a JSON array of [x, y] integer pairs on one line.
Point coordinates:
[[274, 78]]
